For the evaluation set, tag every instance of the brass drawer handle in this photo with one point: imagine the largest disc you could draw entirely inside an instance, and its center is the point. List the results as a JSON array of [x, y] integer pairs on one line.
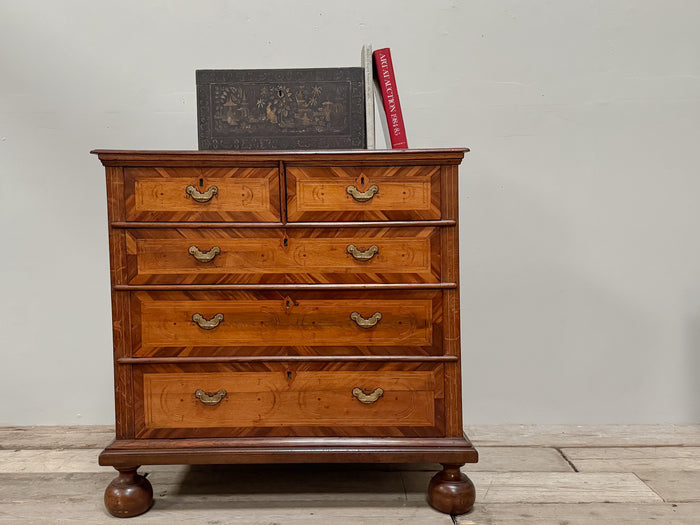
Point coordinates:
[[366, 323], [367, 399], [204, 257], [201, 197], [362, 196], [360, 255], [210, 324], [210, 399]]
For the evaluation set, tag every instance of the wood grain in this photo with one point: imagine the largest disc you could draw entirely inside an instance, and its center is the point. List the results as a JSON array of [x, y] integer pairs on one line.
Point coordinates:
[[283, 285], [244, 194], [405, 193], [450, 272], [120, 305], [286, 323], [272, 158], [273, 399], [290, 399], [315, 255]]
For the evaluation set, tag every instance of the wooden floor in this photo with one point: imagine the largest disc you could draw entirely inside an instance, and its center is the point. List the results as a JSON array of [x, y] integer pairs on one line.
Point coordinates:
[[559, 475]]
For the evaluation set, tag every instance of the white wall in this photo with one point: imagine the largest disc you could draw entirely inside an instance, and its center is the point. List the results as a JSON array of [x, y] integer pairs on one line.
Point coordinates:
[[580, 249]]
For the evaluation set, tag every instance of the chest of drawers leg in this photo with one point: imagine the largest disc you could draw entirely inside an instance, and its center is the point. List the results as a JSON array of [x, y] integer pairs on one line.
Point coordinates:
[[284, 307]]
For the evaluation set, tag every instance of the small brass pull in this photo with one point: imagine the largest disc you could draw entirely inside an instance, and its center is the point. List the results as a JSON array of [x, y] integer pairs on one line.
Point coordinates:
[[362, 196], [210, 324], [204, 257], [201, 197], [366, 323], [360, 255], [367, 399], [210, 399]]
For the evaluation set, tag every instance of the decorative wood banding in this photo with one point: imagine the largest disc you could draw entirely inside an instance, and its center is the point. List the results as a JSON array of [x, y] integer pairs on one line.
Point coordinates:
[[314, 255], [292, 323], [352, 193], [285, 307], [319, 395], [202, 194]]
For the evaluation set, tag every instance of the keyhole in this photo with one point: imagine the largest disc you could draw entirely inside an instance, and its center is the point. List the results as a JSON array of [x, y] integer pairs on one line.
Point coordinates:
[[362, 181], [289, 375], [201, 182], [280, 93], [287, 304], [285, 242]]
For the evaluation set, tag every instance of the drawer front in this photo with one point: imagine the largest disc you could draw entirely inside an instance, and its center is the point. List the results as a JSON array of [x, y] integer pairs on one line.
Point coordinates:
[[255, 255], [363, 193], [202, 194], [260, 399], [258, 323]]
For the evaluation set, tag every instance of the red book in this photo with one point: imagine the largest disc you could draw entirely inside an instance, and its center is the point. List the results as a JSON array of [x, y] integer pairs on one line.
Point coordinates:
[[390, 97]]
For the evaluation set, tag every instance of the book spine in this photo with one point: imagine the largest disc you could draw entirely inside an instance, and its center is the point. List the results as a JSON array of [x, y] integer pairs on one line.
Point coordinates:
[[369, 94], [390, 98]]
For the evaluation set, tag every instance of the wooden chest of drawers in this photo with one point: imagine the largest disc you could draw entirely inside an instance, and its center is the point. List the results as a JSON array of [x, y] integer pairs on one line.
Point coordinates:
[[284, 307]]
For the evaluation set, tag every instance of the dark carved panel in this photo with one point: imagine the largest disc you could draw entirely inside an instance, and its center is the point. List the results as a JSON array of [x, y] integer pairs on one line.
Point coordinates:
[[268, 109]]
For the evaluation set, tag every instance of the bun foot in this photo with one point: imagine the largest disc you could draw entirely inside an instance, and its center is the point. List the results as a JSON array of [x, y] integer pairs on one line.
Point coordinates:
[[451, 491], [129, 494]]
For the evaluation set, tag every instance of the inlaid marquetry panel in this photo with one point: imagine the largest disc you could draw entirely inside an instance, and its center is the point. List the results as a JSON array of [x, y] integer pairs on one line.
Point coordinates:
[[380, 193], [282, 399], [240, 194], [271, 255], [286, 323]]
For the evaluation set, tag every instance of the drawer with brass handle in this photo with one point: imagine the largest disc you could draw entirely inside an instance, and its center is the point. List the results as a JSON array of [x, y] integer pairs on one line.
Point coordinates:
[[212, 323], [196, 194], [363, 193], [208, 400], [272, 255]]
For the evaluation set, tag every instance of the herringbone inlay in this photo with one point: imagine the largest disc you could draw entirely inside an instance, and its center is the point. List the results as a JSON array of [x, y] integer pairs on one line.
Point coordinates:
[[402, 193], [293, 323], [290, 399], [275, 255], [241, 195]]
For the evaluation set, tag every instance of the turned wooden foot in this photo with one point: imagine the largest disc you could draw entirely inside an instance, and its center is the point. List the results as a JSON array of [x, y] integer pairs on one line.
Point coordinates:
[[451, 491], [129, 494]]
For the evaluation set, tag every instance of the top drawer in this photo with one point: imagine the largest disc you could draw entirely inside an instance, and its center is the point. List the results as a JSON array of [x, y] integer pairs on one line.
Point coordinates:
[[359, 193], [202, 194]]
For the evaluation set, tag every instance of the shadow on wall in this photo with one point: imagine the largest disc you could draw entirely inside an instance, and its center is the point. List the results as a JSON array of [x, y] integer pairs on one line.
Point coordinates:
[[551, 332]]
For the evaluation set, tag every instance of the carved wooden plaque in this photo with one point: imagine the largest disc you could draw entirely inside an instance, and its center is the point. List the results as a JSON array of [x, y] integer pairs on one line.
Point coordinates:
[[280, 109]]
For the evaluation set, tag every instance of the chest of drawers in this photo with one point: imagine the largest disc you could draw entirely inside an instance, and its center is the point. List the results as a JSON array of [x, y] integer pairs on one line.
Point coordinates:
[[285, 307]]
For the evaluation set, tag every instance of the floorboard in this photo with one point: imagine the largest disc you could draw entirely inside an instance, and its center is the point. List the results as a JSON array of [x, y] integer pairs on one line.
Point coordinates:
[[529, 475]]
